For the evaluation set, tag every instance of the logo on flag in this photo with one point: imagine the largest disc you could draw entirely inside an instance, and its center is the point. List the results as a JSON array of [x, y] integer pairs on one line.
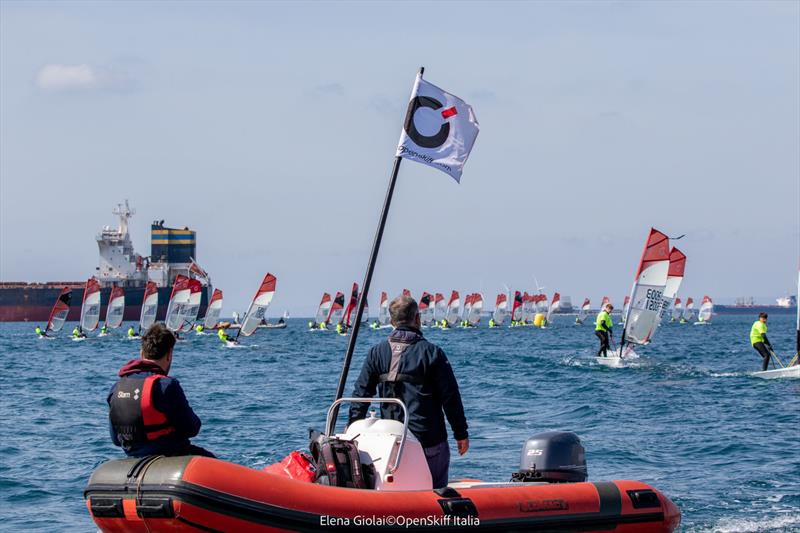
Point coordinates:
[[439, 129]]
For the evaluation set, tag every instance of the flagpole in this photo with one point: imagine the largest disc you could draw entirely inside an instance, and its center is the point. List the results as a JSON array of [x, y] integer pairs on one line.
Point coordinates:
[[376, 244]]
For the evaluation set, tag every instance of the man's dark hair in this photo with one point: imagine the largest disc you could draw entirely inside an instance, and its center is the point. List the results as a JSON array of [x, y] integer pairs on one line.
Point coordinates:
[[762, 315], [403, 310], [157, 342]]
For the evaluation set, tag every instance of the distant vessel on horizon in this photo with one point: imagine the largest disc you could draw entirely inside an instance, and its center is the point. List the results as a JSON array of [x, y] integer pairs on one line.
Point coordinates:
[[172, 252]]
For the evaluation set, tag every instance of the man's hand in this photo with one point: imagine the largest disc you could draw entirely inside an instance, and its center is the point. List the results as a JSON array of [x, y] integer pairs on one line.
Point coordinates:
[[463, 446]]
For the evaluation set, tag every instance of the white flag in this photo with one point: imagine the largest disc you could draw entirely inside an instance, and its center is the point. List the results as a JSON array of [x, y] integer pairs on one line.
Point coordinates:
[[439, 130]]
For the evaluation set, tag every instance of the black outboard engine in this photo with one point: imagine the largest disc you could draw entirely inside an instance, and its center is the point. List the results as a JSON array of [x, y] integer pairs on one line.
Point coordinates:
[[552, 457]]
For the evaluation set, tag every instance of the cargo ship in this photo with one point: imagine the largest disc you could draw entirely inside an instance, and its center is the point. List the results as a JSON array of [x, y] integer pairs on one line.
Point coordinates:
[[172, 252]]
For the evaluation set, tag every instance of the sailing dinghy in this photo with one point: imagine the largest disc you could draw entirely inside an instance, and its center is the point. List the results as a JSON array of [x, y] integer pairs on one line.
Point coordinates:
[[177, 299], [792, 370], [213, 310], [90, 309], [500, 310], [58, 315], [706, 311], [115, 309], [584, 312], [258, 307], [149, 307], [644, 310], [322, 313]]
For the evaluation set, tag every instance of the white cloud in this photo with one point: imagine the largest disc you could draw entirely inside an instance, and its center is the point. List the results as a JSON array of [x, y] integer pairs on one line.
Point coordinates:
[[56, 77]]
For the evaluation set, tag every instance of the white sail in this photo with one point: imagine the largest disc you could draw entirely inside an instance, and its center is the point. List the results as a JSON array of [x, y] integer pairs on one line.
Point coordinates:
[[189, 311], [177, 300], [149, 306], [116, 308], [541, 303], [706, 310], [474, 315], [58, 315], [90, 310], [323, 309], [256, 312], [439, 307], [467, 307], [677, 266], [453, 308], [213, 310], [500, 309], [383, 311], [651, 279]]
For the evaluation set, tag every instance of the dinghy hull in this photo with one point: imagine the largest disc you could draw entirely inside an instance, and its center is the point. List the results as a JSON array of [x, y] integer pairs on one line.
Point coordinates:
[[202, 494]]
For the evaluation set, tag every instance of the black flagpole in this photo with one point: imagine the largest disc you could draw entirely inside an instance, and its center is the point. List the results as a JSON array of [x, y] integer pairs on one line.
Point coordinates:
[[376, 244]]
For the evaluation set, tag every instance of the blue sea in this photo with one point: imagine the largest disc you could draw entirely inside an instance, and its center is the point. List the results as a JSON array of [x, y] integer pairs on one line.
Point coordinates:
[[685, 416]]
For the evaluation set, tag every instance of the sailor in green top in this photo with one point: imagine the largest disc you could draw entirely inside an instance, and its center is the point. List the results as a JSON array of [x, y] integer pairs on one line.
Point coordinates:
[[39, 332], [323, 325], [492, 323], [340, 329], [104, 330], [602, 329], [77, 333], [376, 325], [199, 328], [758, 338], [131, 332]]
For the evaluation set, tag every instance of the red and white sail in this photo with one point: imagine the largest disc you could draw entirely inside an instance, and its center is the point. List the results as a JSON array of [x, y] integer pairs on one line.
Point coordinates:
[[383, 310], [258, 307], [677, 309], [324, 308], [213, 310], [149, 306], [553, 306], [644, 309], [453, 308], [349, 317], [605, 301], [337, 309], [500, 309], [541, 303], [426, 308], [517, 306], [475, 308], [439, 307], [177, 300], [688, 311], [58, 315], [190, 310], [677, 266], [116, 307], [90, 310], [706, 309], [584, 311]]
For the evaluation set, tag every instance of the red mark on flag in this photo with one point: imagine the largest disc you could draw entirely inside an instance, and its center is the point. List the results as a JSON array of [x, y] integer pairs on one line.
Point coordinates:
[[449, 112]]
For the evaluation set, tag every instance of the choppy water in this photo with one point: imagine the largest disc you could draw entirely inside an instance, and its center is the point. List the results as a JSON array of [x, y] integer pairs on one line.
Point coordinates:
[[686, 418]]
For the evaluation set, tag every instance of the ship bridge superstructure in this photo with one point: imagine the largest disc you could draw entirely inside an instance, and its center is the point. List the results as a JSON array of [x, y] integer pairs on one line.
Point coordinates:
[[119, 263]]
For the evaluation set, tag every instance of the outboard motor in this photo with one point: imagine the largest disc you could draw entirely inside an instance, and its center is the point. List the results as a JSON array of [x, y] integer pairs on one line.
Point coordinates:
[[552, 457]]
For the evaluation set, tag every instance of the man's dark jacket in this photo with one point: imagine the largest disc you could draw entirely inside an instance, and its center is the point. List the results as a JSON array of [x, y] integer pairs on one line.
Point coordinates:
[[428, 389], [168, 398]]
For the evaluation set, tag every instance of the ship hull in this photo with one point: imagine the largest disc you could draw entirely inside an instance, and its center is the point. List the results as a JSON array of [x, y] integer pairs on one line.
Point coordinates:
[[33, 302]]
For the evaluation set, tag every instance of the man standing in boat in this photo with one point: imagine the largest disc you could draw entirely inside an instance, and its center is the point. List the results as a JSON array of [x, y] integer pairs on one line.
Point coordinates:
[[602, 329], [759, 340], [148, 411], [408, 367]]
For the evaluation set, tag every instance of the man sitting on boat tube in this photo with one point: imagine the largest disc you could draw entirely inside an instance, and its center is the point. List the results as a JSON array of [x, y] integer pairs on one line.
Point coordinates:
[[408, 367], [148, 411]]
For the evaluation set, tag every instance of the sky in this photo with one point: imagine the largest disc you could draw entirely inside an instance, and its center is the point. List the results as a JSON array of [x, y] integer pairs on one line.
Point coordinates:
[[270, 129]]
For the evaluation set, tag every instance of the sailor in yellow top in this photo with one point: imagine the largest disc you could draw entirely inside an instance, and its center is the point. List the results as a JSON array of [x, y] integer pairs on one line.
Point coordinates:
[[492, 323], [758, 338], [39, 332], [199, 328], [223, 335], [602, 329], [323, 325], [131, 332], [340, 329], [77, 333], [104, 330]]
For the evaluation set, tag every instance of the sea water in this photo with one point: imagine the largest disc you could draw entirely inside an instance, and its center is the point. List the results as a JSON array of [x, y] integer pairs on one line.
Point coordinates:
[[685, 417]]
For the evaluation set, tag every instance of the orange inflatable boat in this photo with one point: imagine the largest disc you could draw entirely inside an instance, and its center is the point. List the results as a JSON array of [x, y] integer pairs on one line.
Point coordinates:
[[202, 494]]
